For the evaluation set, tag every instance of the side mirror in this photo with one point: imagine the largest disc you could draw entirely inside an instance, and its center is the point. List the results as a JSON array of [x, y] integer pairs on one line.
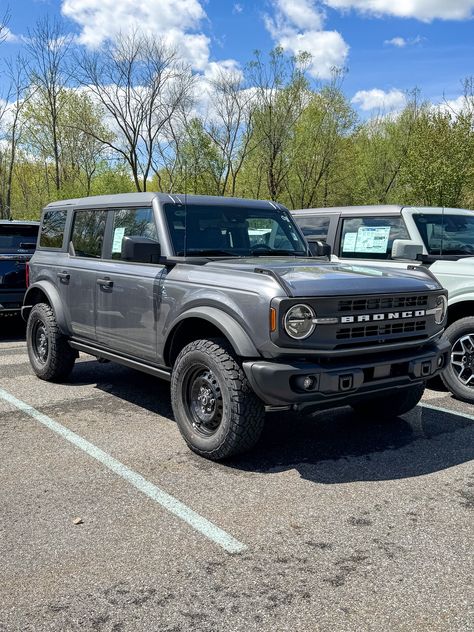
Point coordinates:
[[140, 249], [406, 249], [319, 248]]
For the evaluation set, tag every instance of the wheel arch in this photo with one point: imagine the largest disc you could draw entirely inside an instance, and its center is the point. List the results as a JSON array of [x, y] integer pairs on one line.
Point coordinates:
[[202, 322], [45, 292], [461, 309]]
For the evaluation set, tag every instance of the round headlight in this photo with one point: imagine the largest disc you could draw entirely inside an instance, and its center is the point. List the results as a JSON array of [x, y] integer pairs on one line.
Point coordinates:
[[441, 307], [299, 321]]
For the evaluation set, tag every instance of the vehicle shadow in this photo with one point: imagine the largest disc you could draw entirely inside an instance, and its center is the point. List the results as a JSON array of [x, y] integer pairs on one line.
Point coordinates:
[[329, 447], [12, 329]]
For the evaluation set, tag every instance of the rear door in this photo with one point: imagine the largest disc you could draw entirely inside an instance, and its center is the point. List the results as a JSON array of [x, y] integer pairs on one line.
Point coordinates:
[[128, 291], [79, 279]]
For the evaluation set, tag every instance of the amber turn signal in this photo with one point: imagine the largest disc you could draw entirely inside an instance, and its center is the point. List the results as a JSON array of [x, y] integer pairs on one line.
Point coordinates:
[[273, 319]]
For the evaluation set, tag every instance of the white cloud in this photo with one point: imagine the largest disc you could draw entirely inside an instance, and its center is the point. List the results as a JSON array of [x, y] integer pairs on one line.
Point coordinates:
[[301, 14], [398, 42], [8, 36], [456, 106], [401, 42], [377, 99], [177, 22], [298, 26], [425, 10], [238, 8]]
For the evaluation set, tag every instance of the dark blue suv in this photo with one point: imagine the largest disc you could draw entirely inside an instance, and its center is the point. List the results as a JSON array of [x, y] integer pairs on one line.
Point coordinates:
[[17, 244]]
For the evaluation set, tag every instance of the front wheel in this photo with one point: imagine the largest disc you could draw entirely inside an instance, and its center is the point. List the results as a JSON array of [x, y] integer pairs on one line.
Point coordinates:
[[391, 404], [51, 357], [215, 408], [458, 376]]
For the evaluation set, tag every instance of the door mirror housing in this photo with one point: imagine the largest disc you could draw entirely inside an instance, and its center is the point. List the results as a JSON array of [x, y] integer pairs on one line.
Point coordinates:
[[406, 249], [140, 249], [319, 248]]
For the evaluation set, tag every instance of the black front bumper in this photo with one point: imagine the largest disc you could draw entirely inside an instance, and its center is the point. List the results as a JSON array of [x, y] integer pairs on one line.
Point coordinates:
[[279, 383]]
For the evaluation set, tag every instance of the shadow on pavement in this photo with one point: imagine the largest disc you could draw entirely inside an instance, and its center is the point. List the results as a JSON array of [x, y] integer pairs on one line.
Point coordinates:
[[331, 447], [12, 329]]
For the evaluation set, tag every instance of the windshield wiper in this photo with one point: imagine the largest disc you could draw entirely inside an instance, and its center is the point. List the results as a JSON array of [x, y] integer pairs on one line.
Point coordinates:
[[263, 251], [205, 252]]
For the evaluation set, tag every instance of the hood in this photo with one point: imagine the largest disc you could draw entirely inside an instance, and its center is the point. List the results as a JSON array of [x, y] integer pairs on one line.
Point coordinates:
[[310, 277]]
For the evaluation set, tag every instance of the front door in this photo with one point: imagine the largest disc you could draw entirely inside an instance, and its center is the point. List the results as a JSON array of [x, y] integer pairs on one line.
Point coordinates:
[[127, 292]]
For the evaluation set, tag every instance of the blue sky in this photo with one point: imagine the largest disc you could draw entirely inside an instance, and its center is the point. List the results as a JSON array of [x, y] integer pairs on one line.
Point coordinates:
[[388, 46]]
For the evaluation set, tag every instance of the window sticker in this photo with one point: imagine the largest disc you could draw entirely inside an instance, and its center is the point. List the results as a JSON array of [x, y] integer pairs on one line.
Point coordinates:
[[349, 244], [372, 239], [118, 236]]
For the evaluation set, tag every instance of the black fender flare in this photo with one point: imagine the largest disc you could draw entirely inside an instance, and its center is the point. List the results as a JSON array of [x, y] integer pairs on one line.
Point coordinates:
[[52, 294], [232, 330]]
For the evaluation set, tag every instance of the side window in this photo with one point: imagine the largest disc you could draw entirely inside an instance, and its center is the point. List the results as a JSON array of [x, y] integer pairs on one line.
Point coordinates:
[[52, 229], [88, 233], [371, 237], [131, 222], [315, 227]]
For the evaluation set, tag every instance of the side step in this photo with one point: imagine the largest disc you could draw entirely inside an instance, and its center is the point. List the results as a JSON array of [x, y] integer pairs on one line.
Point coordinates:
[[114, 357]]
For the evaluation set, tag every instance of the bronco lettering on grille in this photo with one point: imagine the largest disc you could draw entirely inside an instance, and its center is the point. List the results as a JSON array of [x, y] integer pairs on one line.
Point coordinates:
[[366, 318]]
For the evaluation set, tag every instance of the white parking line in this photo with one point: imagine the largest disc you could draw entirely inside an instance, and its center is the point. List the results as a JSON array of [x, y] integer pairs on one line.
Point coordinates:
[[173, 505], [446, 410]]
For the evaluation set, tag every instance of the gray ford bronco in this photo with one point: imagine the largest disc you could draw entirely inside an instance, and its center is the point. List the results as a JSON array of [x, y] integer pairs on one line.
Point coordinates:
[[392, 236], [224, 298]]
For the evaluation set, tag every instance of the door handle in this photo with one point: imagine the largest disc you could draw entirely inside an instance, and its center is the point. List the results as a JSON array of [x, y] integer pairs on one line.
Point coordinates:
[[105, 282], [64, 276]]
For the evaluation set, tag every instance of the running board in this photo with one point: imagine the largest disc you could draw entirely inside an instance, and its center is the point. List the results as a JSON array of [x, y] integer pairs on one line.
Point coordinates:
[[114, 357]]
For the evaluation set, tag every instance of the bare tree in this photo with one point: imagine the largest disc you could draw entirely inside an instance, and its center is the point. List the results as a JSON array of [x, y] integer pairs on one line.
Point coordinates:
[[4, 20], [280, 92], [48, 47], [229, 126], [141, 85], [19, 93]]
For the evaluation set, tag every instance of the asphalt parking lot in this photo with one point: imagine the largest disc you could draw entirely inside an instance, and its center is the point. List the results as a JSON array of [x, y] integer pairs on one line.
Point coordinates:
[[335, 523]]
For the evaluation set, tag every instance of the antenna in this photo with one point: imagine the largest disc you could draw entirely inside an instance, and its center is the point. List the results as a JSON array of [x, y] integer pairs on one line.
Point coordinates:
[[185, 207]]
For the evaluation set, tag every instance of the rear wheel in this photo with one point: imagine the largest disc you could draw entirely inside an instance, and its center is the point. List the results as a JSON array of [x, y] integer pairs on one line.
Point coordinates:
[[458, 376], [51, 357], [216, 410], [391, 404]]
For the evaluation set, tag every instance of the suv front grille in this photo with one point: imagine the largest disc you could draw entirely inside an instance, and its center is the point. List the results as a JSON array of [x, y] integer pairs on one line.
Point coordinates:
[[386, 329], [382, 303]]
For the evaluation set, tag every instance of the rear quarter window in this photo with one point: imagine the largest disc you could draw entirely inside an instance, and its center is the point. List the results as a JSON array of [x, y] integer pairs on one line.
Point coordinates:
[[313, 227], [52, 229]]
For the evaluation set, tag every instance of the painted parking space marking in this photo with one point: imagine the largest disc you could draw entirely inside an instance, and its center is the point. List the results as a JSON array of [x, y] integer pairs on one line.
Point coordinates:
[[168, 502], [446, 410]]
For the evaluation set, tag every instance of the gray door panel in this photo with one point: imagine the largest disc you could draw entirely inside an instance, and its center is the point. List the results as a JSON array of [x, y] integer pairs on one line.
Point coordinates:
[[126, 295]]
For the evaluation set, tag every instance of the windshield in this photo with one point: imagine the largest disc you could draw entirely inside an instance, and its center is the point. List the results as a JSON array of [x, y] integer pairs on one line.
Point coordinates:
[[232, 231], [16, 237], [446, 234]]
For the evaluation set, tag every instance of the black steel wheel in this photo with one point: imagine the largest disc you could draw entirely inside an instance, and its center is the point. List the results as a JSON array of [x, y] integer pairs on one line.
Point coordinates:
[[458, 376], [50, 355], [215, 408], [204, 399]]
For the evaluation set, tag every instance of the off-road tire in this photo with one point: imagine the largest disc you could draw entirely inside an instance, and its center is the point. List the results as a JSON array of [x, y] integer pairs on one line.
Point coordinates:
[[57, 362], [392, 404], [238, 411], [460, 329]]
